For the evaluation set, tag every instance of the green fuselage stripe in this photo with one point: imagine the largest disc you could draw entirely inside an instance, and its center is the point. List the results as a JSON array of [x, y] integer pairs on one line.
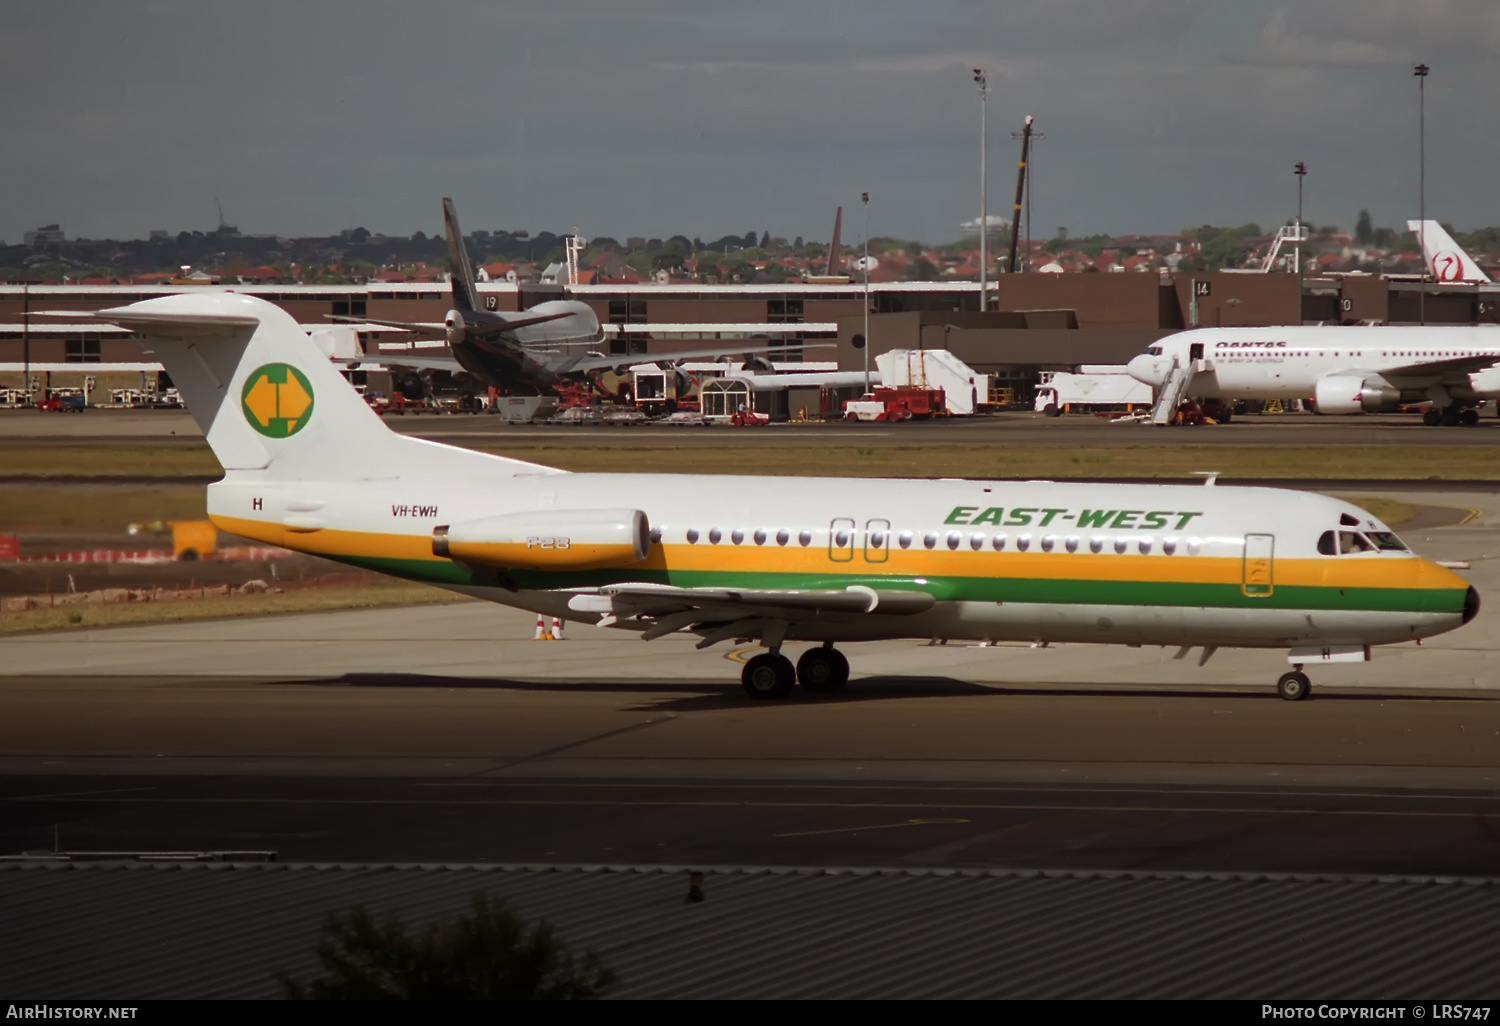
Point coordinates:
[[959, 589]]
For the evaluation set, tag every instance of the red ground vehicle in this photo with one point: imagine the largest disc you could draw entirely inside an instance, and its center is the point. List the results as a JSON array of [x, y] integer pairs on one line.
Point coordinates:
[[397, 404], [749, 418], [896, 404], [62, 404]]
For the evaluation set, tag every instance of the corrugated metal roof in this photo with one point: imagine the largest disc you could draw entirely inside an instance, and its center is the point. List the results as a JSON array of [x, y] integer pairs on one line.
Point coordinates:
[[137, 931]]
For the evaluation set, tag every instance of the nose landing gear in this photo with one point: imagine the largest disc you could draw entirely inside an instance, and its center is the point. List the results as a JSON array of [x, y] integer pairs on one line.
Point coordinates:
[[1294, 686]]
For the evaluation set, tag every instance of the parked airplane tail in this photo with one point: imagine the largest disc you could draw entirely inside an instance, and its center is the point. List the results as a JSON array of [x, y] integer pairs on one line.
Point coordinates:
[[269, 400], [1445, 259], [460, 270]]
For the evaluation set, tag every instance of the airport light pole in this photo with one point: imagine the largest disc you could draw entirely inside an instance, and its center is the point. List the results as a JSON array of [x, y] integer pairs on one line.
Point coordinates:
[[1420, 71], [983, 81], [26, 341], [1300, 170], [864, 199]]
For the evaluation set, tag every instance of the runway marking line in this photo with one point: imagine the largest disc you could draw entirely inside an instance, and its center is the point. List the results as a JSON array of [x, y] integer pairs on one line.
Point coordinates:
[[958, 806], [73, 794], [517, 782], [881, 826]]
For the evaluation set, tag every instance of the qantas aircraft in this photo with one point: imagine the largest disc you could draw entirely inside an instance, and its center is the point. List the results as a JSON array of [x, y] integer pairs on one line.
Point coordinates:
[[780, 560], [1342, 369]]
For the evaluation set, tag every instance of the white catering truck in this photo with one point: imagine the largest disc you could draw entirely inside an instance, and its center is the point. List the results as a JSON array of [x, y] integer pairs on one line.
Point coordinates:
[[1094, 388]]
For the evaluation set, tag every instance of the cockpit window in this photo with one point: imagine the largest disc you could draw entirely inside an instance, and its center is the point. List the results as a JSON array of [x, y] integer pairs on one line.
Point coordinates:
[[1353, 541], [1154, 350], [1385, 541], [1326, 545]]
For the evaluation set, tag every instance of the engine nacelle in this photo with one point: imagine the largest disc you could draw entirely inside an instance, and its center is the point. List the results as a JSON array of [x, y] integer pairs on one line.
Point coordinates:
[[584, 539], [1343, 393]]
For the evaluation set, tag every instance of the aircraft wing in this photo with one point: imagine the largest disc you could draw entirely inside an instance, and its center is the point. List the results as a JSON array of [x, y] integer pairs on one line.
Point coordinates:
[[722, 613], [583, 364], [438, 363], [1437, 368], [482, 329]]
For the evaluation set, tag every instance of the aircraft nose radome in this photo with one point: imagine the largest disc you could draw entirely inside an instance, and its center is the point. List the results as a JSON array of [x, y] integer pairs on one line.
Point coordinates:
[[1143, 369], [1471, 604]]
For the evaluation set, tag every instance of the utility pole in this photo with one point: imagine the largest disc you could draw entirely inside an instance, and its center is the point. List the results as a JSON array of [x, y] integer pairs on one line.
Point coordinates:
[[1030, 177], [1421, 71], [1300, 170], [864, 198], [984, 199]]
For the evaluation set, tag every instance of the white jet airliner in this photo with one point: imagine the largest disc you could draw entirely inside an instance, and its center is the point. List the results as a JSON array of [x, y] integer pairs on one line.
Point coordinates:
[[1342, 369], [309, 466]]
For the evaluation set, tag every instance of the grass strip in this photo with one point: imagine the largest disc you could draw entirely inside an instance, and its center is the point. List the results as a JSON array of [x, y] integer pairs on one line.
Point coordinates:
[[1144, 462], [302, 600]]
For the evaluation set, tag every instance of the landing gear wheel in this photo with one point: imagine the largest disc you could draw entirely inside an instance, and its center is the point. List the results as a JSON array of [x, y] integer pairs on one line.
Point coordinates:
[[823, 671], [1449, 416], [1468, 418], [1432, 418], [1293, 686], [768, 676]]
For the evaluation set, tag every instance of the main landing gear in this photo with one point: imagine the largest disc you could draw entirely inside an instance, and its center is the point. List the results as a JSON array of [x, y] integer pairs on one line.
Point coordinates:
[[822, 671], [1294, 686], [1450, 416]]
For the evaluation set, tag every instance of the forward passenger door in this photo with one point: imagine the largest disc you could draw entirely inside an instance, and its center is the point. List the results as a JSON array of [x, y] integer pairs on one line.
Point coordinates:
[[1258, 579]]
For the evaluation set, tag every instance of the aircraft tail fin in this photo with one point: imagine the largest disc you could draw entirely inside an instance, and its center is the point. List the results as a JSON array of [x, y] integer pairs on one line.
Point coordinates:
[[460, 270], [833, 247], [268, 399], [1445, 258]]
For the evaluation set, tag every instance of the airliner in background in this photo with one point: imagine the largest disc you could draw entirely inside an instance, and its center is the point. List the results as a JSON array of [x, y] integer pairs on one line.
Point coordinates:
[[1342, 369], [548, 348], [780, 560], [1446, 260]]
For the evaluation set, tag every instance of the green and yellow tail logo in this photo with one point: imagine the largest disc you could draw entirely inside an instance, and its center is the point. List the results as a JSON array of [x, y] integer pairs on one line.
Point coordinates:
[[277, 400]]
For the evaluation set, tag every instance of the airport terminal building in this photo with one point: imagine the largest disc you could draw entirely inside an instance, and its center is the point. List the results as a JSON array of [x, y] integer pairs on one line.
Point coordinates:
[[1037, 322]]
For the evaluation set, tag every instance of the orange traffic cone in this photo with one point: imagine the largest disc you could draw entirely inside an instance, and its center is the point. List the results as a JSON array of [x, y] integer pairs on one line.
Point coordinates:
[[557, 628], [542, 633]]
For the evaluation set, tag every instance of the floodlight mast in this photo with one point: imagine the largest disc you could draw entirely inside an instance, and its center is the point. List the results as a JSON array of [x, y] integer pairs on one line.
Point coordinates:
[[1300, 170], [984, 201], [864, 198], [1421, 71]]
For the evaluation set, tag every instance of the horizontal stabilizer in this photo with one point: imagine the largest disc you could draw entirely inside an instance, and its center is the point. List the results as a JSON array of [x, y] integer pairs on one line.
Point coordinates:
[[426, 329], [161, 324]]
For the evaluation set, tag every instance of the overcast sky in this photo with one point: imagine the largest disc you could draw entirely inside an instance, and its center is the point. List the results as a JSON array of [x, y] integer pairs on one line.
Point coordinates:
[[707, 117]]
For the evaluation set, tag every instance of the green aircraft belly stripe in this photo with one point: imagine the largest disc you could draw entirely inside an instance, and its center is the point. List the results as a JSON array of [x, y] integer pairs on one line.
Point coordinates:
[[972, 589]]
